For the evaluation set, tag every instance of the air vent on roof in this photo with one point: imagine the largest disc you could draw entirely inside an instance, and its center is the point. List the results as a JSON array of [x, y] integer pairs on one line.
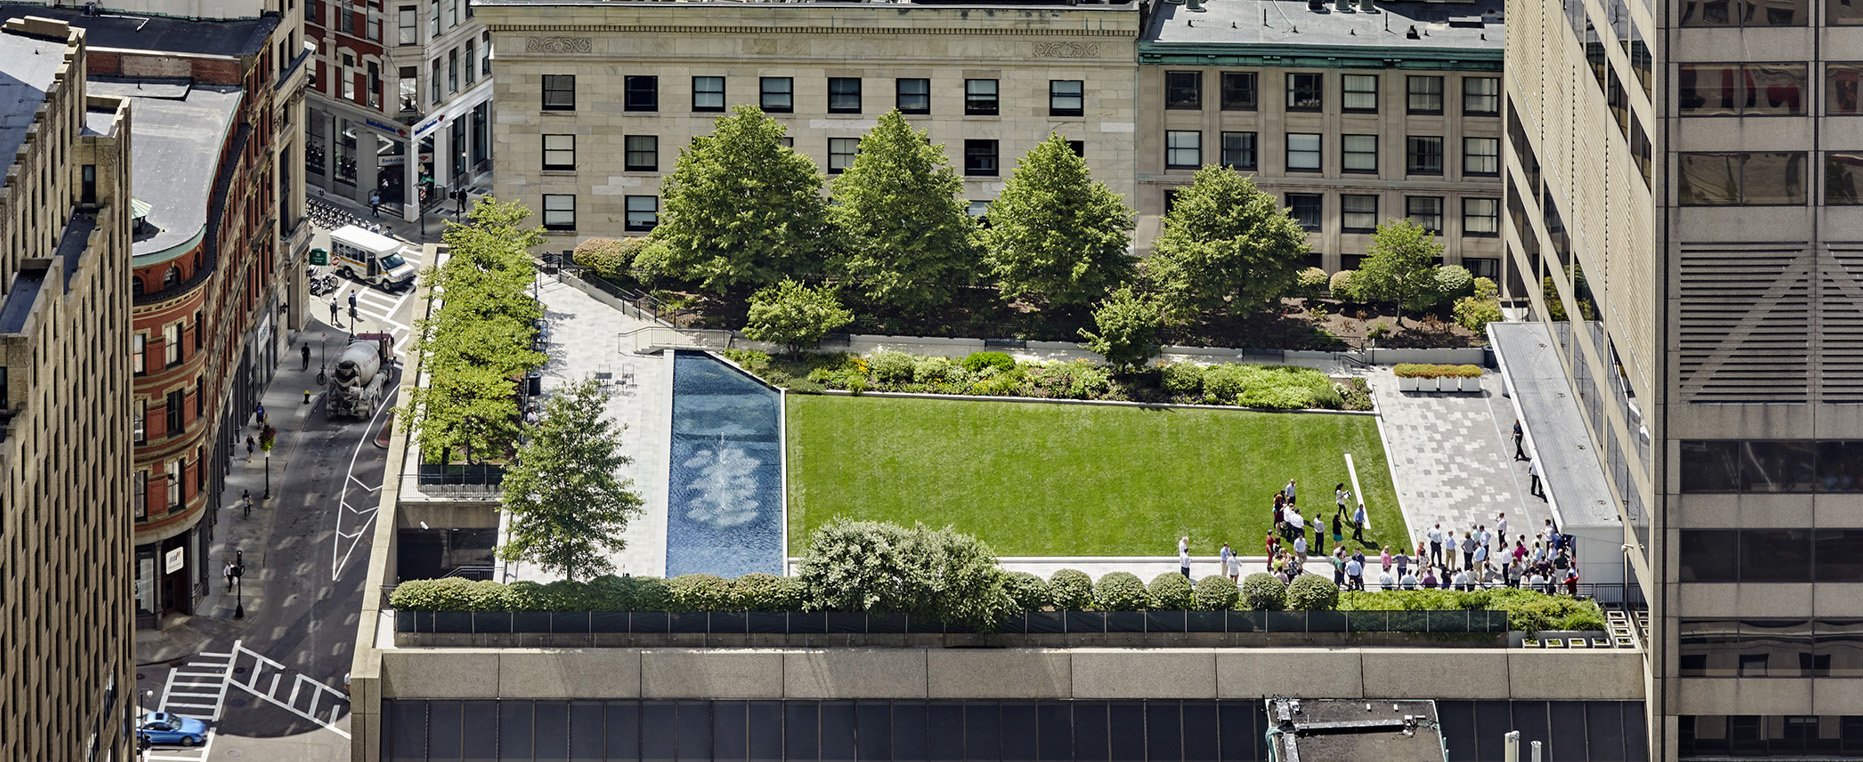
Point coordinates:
[[1367, 6], [1317, 6]]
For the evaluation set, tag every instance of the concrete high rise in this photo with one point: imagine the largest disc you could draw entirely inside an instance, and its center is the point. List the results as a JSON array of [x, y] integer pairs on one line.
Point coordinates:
[[1682, 208], [65, 517]]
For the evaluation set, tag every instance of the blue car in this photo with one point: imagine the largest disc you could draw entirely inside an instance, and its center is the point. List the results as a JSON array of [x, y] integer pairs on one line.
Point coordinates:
[[162, 728]]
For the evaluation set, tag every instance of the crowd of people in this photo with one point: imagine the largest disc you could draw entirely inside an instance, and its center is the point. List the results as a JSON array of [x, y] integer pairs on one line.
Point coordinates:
[[1479, 557]]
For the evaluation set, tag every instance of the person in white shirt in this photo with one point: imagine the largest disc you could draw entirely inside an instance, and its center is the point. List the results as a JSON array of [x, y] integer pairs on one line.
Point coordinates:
[[1300, 548], [1461, 580], [1536, 582], [1290, 489], [1436, 544], [1183, 562], [1385, 582], [1183, 544], [1500, 527], [1409, 582], [1448, 563]]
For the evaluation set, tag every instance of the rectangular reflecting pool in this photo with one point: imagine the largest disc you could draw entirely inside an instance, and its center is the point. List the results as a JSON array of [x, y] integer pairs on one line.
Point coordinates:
[[724, 491]]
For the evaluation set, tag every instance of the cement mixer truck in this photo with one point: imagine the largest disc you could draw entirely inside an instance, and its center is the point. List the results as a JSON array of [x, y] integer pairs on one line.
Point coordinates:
[[360, 375]]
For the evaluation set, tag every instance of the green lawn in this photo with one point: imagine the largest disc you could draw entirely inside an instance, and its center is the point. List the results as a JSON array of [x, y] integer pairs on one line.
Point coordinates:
[[1037, 479]]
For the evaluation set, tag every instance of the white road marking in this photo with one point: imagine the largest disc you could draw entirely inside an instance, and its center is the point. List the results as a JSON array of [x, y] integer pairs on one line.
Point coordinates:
[[314, 693], [340, 557]]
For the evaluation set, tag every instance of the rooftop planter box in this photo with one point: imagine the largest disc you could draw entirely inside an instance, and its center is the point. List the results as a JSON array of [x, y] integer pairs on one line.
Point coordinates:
[[1420, 377]]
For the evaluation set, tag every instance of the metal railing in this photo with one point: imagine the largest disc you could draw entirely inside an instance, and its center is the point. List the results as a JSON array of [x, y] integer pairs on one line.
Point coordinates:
[[477, 474], [1487, 622]]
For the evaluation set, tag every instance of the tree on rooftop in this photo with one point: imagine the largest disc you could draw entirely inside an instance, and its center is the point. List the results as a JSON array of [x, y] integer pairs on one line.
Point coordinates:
[[794, 315], [1057, 236], [568, 505], [909, 238], [741, 210], [1225, 243], [1400, 266]]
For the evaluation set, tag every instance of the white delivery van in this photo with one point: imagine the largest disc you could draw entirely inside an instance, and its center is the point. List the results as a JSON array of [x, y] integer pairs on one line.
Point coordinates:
[[372, 258]]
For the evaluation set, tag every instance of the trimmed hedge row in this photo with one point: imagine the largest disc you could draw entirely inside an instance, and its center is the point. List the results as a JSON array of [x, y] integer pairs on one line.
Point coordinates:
[[1423, 370]]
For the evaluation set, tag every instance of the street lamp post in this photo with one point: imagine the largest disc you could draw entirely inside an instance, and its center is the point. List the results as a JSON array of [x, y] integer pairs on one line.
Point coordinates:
[[323, 358], [268, 476], [239, 590]]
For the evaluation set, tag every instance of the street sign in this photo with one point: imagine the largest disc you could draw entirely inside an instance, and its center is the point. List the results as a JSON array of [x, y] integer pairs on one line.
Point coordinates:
[[319, 257], [173, 560]]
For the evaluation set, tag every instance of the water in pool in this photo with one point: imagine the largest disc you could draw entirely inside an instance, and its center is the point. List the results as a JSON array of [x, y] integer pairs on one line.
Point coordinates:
[[724, 496]]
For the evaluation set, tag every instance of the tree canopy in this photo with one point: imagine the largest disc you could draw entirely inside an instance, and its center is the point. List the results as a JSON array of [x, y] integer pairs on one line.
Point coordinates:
[[794, 315], [1056, 236], [740, 210], [1225, 242], [568, 505], [908, 237], [1126, 327], [1400, 267]]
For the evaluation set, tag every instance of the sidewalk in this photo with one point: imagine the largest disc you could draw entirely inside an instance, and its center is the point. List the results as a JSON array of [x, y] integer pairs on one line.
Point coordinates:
[[435, 219], [184, 636]]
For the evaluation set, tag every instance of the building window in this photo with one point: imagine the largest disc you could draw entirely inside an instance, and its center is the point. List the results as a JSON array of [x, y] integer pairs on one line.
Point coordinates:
[[640, 93], [1358, 213], [485, 53], [912, 95], [1359, 93], [1426, 211], [1303, 152], [436, 85], [171, 344], [472, 54], [1774, 178], [343, 18], [1423, 155], [643, 153], [1841, 96], [1305, 92], [1481, 217], [172, 472], [559, 92], [643, 212], [1481, 156], [1305, 209], [172, 408], [1066, 97], [559, 212], [708, 94], [1183, 149], [1425, 94], [1239, 150], [1239, 91], [1752, 13], [1481, 96], [87, 184], [200, 326], [980, 157], [407, 27], [1843, 179], [452, 71], [841, 154], [1079, 147], [980, 97], [142, 422], [1358, 153], [1183, 90], [776, 95], [1732, 89], [433, 19], [138, 361], [559, 152], [843, 95]]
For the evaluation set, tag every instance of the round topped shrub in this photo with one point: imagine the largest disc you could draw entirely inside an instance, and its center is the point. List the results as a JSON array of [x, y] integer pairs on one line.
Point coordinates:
[[1311, 282], [1262, 591], [1214, 593], [1311, 592], [1170, 591], [1031, 593], [701, 592], [1453, 282], [1001, 362], [766, 592], [1182, 379], [1071, 590], [1341, 286], [892, 368], [1120, 591]]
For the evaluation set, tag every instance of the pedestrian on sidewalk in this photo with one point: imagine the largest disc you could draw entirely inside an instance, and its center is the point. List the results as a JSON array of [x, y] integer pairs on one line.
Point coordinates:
[[1403, 562], [228, 571], [251, 444], [1449, 544], [1436, 543], [1273, 543], [304, 350], [352, 313], [1520, 452], [1338, 529], [333, 321], [1339, 564], [1533, 470], [1227, 560], [1339, 495], [1355, 573], [1469, 544], [352, 302], [1183, 562], [258, 414], [375, 203], [1319, 535], [245, 502], [1300, 548], [1358, 524]]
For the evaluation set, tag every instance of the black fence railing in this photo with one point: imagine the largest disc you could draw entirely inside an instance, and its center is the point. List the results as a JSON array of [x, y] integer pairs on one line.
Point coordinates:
[[462, 474], [1030, 623]]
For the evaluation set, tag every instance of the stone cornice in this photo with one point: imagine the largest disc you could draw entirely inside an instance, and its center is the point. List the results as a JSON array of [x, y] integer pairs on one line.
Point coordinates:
[[812, 31]]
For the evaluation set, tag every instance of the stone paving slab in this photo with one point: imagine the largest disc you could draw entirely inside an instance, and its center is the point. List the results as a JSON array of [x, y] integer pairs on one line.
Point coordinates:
[[1453, 458], [583, 344]]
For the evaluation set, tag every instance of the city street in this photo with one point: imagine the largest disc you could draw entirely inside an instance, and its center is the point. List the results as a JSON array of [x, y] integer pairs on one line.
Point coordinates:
[[272, 684]]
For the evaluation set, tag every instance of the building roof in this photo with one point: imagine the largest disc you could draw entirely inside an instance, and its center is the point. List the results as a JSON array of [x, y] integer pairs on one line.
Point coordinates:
[[243, 37], [1315, 729], [1457, 30], [875, 5], [28, 66], [1580, 496], [19, 300], [179, 132]]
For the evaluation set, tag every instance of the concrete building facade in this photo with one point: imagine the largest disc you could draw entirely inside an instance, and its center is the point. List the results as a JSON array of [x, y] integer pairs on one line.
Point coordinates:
[[400, 100], [596, 104], [65, 502], [218, 235], [1350, 114], [1681, 187]]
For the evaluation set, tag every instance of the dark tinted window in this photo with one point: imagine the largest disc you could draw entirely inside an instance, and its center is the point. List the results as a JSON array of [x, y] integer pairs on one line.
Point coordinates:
[[1709, 555], [1777, 555], [1240, 90], [1183, 89]]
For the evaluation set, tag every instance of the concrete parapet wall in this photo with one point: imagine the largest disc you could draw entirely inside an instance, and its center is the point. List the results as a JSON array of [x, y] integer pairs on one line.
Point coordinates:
[[1031, 673]]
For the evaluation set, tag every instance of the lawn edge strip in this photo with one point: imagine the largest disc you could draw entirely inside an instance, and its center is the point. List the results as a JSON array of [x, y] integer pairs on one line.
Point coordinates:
[[1110, 403]]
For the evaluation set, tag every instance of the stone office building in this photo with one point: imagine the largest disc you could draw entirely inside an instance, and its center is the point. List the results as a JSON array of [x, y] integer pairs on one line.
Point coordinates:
[[597, 103], [1684, 176], [65, 518], [1350, 114]]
